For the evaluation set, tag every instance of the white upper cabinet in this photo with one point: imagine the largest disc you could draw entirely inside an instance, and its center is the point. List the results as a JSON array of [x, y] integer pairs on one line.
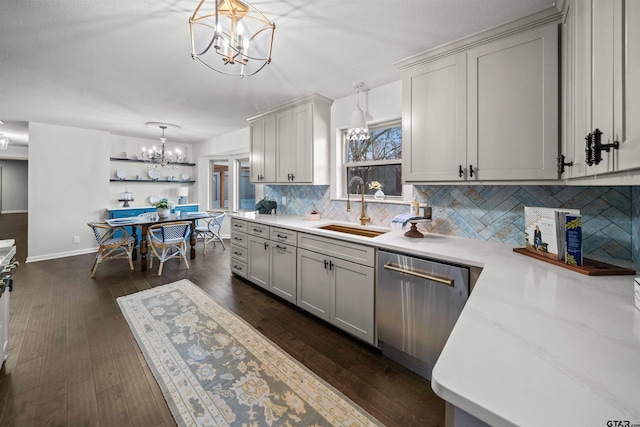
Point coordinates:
[[601, 50], [486, 109], [512, 107], [301, 136], [263, 149], [434, 120]]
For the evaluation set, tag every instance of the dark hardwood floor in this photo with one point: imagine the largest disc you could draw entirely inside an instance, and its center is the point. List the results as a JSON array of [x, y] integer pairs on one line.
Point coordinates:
[[73, 360]]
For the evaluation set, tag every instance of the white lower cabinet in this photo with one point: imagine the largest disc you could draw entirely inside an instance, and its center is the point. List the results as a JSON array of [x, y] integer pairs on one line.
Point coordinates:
[[313, 283], [283, 270], [338, 291], [259, 261], [331, 279]]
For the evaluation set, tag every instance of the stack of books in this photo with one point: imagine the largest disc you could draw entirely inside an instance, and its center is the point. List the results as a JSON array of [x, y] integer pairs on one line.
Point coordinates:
[[554, 233]]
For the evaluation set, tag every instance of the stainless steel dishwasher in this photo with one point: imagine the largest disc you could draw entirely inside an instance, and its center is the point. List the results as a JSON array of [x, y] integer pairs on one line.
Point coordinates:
[[418, 301]]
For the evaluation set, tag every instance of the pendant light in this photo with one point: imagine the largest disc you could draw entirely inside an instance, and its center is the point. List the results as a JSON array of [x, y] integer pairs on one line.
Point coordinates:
[[358, 130]]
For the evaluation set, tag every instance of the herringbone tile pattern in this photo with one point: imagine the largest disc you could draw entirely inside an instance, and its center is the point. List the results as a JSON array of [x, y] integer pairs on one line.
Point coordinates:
[[495, 212]]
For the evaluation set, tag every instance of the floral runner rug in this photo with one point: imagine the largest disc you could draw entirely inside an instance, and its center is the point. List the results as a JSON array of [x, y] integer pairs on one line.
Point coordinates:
[[215, 369]]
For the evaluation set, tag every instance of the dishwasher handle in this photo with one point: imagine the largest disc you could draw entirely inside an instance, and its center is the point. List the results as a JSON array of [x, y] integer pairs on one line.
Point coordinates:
[[448, 282]]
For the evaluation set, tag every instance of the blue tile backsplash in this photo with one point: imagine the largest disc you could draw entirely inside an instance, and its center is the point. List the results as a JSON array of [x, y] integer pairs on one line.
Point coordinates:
[[611, 214]]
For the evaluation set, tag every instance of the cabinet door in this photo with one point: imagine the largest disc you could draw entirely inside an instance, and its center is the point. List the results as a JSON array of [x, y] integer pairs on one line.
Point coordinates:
[[434, 133], [512, 109], [303, 140], [629, 152], [283, 271], [285, 146], [295, 145], [313, 283], [352, 298], [263, 149], [259, 261]]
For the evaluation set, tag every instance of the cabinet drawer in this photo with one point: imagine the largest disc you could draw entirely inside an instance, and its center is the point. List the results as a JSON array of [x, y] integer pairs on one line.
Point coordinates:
[[239, 253], [258, 230], [283, 235], [239, 268], [238, 225], [347, 251], [238, 239]]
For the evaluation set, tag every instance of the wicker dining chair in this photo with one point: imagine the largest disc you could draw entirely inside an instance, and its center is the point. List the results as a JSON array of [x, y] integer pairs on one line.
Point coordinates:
[[168, 240], [114, 243], [210, 230]]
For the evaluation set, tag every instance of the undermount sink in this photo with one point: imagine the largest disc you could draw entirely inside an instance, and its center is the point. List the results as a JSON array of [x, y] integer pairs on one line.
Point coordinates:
[[365, 232]]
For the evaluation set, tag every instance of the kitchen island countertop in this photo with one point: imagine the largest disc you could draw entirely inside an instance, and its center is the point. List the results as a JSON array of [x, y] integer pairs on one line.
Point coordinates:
[[536, 344]]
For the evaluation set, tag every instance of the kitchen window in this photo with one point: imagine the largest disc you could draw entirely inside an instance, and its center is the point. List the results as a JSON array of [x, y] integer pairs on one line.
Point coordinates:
[[378, 159]]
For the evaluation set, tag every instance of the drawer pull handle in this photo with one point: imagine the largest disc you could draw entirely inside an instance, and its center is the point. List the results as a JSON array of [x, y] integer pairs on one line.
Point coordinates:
[[237, 238], [448, 282], [237, 225], [284, 248], [257, 230], [280, 236], [237, 253]]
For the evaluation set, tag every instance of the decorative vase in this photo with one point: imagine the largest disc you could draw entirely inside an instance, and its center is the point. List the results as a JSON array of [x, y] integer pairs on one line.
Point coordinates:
[[164, 212], [378, 195]]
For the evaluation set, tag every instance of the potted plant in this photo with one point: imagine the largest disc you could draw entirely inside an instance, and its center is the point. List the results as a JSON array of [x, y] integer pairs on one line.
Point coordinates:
[[164, 207]]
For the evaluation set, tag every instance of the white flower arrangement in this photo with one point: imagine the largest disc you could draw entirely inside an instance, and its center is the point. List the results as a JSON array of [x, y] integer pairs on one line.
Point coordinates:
[[375, 185]]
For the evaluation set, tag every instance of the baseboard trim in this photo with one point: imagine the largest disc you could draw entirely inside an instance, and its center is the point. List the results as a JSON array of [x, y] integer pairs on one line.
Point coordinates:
[[17, 211], [60, 255]]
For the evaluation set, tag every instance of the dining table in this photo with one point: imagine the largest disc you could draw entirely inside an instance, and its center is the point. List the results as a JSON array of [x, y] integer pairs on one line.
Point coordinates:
[[145, 221]]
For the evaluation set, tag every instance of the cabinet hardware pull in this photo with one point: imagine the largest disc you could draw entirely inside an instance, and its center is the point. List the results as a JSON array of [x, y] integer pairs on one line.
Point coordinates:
[[471, 171], [266, 245], [237, 253], [562, 164], [595, 147], [257, 230], [284, 248], [448, 282], [460, 171], [330, 265], [237, 225], [279, 236], [237, 238], [325, 264], [292, 177]]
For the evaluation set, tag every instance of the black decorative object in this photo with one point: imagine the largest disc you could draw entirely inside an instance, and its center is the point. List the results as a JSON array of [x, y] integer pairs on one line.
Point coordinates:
[[266, 206]]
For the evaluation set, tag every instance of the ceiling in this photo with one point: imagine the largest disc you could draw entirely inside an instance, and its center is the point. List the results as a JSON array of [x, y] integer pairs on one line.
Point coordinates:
[[113, 65]]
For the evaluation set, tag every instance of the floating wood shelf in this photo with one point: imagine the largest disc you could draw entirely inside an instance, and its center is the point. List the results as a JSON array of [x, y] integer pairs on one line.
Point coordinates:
[[121, 159], [152, 180], [590, 267]]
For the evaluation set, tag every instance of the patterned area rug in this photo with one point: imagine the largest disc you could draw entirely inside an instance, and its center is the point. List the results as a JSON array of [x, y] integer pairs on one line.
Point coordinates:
[[216, 370]]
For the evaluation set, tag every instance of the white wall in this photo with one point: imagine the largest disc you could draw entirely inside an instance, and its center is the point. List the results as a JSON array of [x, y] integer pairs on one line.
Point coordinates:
[[68, 170], [14, 185], [230, 146]]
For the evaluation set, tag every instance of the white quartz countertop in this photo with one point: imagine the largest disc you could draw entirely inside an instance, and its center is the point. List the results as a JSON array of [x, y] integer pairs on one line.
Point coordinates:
[[536, 344]]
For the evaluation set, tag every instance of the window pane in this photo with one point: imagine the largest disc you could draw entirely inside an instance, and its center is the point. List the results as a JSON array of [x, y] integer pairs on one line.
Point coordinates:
[[246, 190], [220, 184], [384, 144], [390, 176]]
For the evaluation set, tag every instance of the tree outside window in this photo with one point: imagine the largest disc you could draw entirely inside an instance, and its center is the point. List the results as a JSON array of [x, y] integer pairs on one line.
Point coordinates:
[[378, 158]]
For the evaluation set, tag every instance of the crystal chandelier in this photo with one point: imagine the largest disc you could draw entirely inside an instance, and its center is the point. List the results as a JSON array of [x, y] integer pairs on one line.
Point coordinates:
[[358, 130], [162, 156], [231, 37]]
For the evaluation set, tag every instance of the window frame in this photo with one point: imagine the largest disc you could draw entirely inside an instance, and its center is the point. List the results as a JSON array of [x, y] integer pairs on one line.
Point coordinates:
[[344, 164]]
